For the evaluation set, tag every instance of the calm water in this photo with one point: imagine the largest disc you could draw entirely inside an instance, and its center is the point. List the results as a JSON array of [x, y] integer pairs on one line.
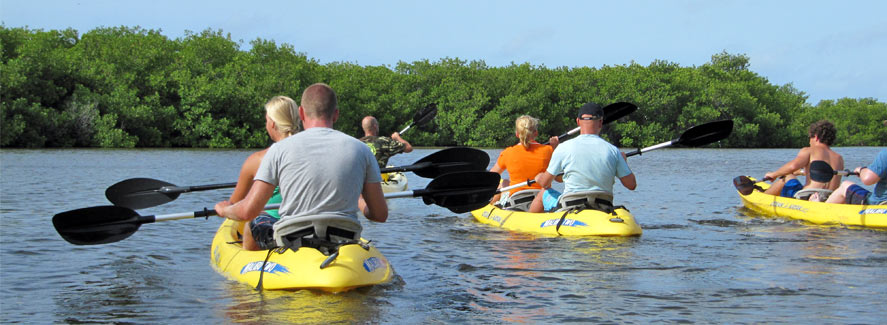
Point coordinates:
[[701, 259]]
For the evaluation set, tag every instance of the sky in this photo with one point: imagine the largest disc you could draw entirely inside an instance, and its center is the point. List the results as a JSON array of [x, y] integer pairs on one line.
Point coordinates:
[[827, 49]]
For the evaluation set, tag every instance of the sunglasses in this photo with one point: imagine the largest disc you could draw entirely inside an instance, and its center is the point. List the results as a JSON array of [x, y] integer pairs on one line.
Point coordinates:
[[590, 118]]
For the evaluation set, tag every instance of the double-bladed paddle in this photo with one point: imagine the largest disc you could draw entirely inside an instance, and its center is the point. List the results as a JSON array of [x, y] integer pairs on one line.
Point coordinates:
[[745, 185], [612, 112], [460, 192], [140, 193], [696, 136], [422, 116]]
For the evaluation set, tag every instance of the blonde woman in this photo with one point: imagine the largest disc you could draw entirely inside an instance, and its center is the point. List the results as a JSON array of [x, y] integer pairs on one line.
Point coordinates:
[[281, 121], [524, 160]]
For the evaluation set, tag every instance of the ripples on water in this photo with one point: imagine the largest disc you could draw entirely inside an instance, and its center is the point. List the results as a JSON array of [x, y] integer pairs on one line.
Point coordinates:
[[702, 257]]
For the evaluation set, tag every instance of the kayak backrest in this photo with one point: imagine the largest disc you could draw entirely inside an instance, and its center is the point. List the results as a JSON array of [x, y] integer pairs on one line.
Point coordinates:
[[597, 200], [289, 232], [805, 194], [520, 200]]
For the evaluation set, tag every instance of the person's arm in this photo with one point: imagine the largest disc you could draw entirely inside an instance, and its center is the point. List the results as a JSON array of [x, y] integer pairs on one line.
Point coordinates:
[[544, 179], [553, 142], [407, 146], [372, 202], [867, 176], [790, 167], [250, 207], [247, 173], [629, 181]]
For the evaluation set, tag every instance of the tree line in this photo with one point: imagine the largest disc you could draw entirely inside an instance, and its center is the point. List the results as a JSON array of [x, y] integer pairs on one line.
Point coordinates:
[[132, 87]]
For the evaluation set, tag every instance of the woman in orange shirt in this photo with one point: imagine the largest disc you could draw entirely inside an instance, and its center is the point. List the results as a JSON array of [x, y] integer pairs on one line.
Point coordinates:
[[525, 159]]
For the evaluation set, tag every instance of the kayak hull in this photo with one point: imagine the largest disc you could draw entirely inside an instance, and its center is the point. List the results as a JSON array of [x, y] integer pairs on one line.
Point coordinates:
[[355, 266], [583, 223], [394, 182], [872, 216]]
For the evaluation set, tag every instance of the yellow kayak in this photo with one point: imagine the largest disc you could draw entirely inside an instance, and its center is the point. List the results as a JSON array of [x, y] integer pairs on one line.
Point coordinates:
[[357, 265], [586, 222], [394, 182], [874, 216]]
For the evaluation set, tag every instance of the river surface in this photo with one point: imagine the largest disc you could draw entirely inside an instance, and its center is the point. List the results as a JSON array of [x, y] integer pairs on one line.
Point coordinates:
[[701, 257]]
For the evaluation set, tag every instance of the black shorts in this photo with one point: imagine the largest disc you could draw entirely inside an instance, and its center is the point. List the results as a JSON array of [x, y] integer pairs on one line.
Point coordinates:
[[262, 228]]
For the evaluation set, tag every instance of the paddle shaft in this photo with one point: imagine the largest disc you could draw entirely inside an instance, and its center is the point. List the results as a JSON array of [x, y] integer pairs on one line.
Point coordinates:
[[425, 115], [424, 192], [612, 112], [186, 189], [658, 146], [189, 215]]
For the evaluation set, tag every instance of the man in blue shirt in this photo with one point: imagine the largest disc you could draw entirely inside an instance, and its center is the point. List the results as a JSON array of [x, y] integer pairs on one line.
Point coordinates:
[[588, 162], [876, 172]]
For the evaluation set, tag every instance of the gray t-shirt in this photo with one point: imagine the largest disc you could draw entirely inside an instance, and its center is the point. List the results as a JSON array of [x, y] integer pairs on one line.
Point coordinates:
[[320, 172]]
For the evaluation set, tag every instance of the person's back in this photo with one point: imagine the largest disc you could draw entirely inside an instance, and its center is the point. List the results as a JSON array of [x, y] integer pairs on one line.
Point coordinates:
[[318, 181], [821, 136], [524, 163], [382, 147], [322, 172], [589, 163]]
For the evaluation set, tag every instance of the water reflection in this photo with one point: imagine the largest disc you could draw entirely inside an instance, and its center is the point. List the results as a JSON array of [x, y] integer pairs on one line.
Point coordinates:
[[301, 307]]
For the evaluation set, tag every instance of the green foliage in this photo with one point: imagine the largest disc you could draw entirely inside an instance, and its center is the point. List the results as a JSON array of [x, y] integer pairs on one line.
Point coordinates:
[[132, 87]]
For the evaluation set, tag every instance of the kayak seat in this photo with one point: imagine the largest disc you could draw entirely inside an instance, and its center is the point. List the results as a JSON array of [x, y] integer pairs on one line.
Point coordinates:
[[325, 233], [520, 200], [597, 200], [806, 193]]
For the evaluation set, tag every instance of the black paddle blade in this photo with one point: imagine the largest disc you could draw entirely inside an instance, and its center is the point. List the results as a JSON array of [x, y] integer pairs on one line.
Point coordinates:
[[426, 114], [461, 192], [744, 185], [618, 110], [451, 160], [704, 134], [96, 225], [139, 193]]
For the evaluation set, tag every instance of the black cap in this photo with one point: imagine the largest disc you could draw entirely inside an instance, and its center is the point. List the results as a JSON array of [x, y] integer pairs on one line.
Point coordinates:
[[591, 109]]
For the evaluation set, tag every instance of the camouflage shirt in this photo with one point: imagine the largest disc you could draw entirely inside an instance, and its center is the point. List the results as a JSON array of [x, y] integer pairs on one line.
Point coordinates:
[[383, 148]]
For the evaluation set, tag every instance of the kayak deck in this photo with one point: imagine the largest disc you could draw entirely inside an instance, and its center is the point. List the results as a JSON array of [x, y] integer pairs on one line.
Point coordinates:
[[394, 182], [872, 216], [356, 265], [586, 222]]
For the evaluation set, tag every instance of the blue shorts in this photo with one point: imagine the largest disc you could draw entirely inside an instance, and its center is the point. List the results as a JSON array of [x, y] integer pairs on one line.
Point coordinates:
[[791, 187], [857, 195], [549, 199]]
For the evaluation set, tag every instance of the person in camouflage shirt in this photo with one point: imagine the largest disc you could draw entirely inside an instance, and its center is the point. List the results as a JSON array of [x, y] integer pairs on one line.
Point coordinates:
[[382, 147]]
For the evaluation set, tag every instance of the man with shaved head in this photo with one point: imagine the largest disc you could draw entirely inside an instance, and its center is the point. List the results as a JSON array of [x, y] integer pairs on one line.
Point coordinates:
[[320, 171], [382, 147]]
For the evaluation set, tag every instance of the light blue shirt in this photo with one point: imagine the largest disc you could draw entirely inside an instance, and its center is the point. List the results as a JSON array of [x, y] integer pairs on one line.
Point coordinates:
[[588, 163], [879, 166]]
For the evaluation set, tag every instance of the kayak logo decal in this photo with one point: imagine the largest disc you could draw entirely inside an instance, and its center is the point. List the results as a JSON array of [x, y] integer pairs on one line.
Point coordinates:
[[873, 211], [217, 256], [567, 223], [270, 267], [789, 206], [373, 263]]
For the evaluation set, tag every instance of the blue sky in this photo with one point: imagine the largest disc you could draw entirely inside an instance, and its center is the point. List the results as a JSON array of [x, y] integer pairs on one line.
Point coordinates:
[[828, 49]]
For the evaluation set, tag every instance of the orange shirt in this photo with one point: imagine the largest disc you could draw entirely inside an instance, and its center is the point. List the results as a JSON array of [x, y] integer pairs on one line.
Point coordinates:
[[524, 164]]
